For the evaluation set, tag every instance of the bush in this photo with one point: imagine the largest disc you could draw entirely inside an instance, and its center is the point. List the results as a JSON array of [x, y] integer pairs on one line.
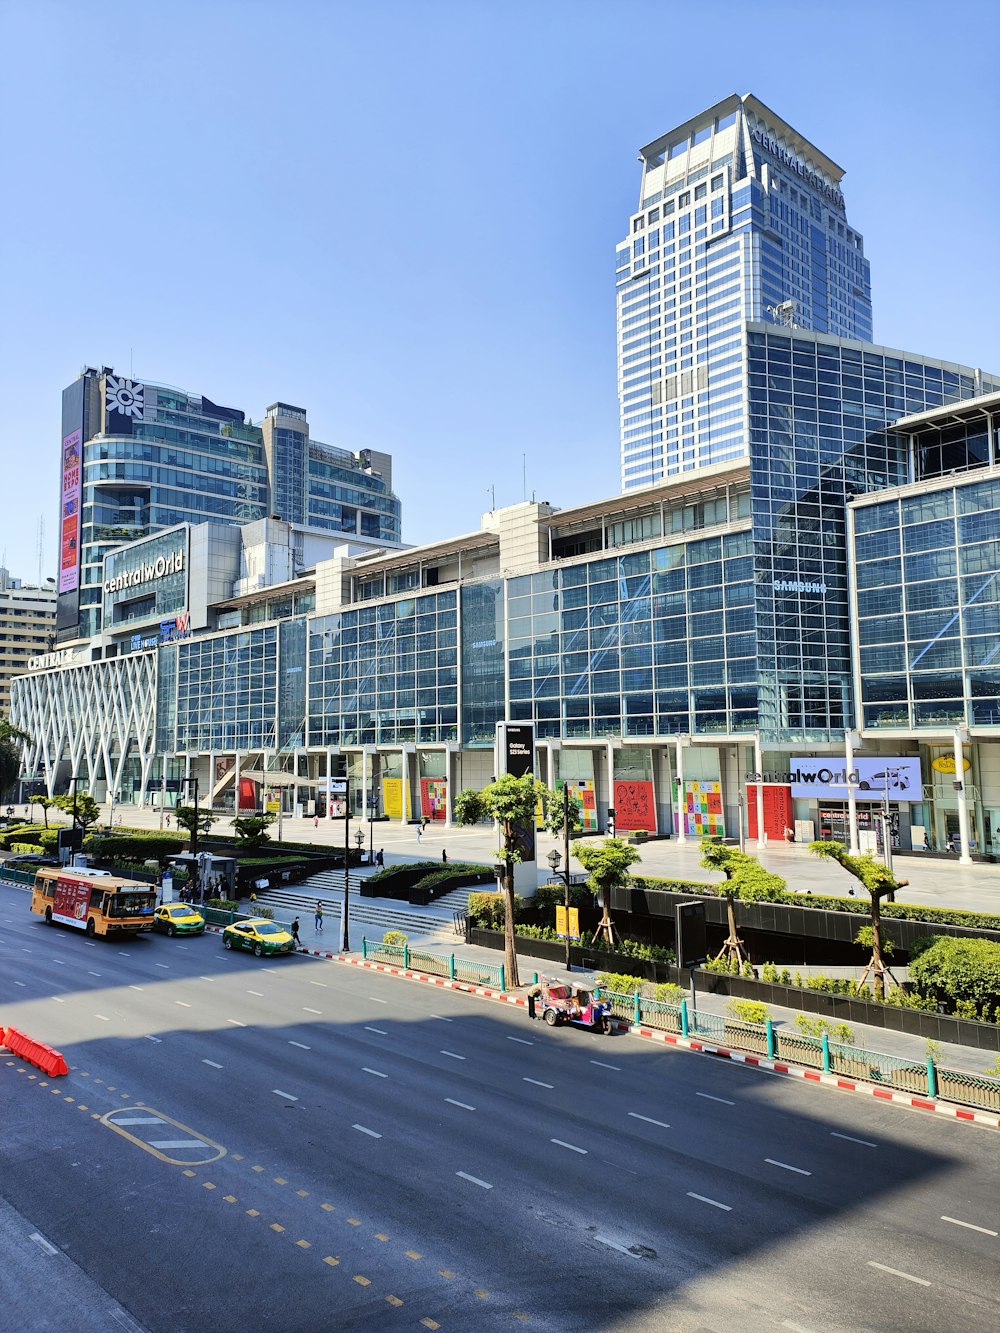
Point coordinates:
[[748, 1011], [396, 939], [960, 976], [624, 984], [486, 910], [134, 845], [815, 1027], [32, 848], [550, 896], [224, 904], [22, 833]]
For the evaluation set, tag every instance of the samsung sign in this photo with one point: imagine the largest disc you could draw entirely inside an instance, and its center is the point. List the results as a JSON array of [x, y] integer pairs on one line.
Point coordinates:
[[795, 164], [870, 779], [159, 568]]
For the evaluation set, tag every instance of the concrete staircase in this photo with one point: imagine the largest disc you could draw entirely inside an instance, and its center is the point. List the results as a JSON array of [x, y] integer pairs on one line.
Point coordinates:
[[373, 916]]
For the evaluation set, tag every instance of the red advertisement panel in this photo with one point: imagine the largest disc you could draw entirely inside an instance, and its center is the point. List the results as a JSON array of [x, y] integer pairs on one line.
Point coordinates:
[[69, 523], [778, 812], [247, 797], [434, 799], [70, 902], [634, 807]]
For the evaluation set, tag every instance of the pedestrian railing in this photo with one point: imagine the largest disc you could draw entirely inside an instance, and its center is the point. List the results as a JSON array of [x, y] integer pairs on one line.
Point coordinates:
[[466, 970], [17, 876], [923, 1078]]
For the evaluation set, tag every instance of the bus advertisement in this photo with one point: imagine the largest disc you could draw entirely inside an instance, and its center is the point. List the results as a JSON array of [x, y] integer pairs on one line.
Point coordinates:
[[92, 901]]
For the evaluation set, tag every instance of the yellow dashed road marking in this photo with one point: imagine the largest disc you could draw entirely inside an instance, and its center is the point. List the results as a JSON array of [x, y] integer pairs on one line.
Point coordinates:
[[429, 1323], [304, 1244], [353, 1221], [329, 1259], [237, 1156], [380, 1235], [328, 1208], [207, 1185], [279, 1180], [80, 1107], [393, 1300], [446, 1272], [276, 1226], [303, 1194], [230, 1198], [518, 1314], [256, 1168], [412, 1254], [190, 1173], [252, 1212], [362, 1281], [483, 1295]]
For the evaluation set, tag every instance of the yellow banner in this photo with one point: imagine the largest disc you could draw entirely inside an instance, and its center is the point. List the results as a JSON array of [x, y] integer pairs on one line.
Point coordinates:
[[574, 923], [392, 797]]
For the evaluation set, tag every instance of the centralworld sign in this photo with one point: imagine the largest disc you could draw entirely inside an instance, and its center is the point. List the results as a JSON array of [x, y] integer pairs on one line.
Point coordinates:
[[147, 572], [795, 164]]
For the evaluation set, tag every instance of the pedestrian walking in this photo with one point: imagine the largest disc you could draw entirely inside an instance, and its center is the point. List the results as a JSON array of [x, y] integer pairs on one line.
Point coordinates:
[[315, 821], [295, 933], [444, 856], [420, 833], [380, 859], [168, 821], [319, 917]]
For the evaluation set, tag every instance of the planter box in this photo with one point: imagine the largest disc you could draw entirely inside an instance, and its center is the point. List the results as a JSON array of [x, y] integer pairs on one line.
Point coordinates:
[[588, 959]]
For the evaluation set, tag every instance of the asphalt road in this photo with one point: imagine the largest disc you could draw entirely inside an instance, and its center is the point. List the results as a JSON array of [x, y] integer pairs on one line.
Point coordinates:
[[303, 1145]]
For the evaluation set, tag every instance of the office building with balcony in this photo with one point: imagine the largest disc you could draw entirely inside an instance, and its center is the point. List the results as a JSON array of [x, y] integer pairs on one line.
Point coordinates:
[[27, 628]]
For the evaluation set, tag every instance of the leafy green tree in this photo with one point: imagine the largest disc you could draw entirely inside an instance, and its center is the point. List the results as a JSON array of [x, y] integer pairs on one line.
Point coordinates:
[[747, 880], [45, 804], [607, 863], [512, 803], [252, 829], [82, 807], [881, 883], [194, 819], [11, 741]]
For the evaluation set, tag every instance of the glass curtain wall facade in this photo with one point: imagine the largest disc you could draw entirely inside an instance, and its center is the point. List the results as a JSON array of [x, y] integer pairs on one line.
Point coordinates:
[[739, 218]]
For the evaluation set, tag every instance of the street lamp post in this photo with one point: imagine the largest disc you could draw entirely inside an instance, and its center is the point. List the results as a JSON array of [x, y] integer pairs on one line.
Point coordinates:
[[372, 802], [742, 810], [75, 779], [195, 877], [345, 920]]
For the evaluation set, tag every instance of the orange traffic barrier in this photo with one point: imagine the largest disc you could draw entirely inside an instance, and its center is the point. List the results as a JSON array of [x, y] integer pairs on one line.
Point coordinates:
[[36, 1053]]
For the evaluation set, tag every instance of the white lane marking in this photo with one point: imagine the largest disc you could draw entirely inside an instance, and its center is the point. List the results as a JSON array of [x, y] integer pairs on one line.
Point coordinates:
[[703, 1198], [236, 1022], [20, 983], [538, 1083], [648, 1119], [42, 1243], [135, 987], [785, 1167], [794, 1328], [571, 1146], [140, 1120], [123, 954], [57, 999], [452, 1056], [521, 1041], [89, 943], [287, 1095], [375, 1000], [183, 946], [61, 962], [464, 1105], [271, 971], [709, 1098], [176, 1143], [300, 1045], [377, 1072], [258, 993], [370, 1132], [165, 966], [212, 1063], [183, 1004], [474, 1180], [865, 1143], [618, 1167], [93, 974], [971, 1226], [307, 1010], [441, 1018], [920, 1281], [601, 1065], [158, 1040], [613, 1245], [318, 983], [103, 1017], [381, 1031], [206, 978]]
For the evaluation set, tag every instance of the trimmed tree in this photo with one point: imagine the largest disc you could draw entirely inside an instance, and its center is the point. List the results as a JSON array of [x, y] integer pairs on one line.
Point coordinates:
[[194, 819], [881, 883], [252, 829], [45, 804], [747, 880], [607, 863], [512, 803], [82, 808]]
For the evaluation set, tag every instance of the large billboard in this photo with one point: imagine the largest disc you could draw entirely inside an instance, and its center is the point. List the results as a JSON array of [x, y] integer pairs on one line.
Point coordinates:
[[871, 779], [69, 522]]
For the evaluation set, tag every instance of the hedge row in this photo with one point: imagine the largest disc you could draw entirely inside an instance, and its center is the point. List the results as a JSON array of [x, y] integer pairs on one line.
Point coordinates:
[[950, 916]]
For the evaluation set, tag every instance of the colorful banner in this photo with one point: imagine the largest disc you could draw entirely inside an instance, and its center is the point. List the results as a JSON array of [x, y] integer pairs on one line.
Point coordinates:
[[703, 816], [247, 797], [635, 808], [434, 799], [778, 812], [586, 798], [392, 798], [574, 923], [69, 534]]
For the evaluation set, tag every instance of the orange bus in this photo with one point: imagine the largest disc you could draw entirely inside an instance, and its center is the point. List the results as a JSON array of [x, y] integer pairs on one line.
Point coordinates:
[[93, 900]]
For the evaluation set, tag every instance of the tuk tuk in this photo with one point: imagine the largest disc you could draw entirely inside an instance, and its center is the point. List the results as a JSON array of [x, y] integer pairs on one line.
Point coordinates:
[[564, 1002]]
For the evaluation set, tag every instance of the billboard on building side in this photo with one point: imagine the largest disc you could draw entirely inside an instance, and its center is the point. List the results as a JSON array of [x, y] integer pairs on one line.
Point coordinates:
[[69, 523]]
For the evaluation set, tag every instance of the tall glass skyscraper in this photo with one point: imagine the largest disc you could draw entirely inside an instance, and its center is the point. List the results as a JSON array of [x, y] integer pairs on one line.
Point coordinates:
[[739, 219]]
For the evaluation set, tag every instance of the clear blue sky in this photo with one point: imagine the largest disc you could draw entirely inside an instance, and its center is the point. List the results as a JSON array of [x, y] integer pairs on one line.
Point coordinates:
[[402, 216]]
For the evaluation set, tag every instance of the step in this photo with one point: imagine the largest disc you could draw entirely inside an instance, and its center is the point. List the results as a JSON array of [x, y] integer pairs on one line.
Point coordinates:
[[364, 911]]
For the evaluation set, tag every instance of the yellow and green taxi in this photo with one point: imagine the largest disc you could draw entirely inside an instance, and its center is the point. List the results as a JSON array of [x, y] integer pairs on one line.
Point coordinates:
[[260, 936], [178, 919]]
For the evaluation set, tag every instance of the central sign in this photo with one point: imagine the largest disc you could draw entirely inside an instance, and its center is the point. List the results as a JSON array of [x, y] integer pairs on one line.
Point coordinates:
[[147, 572]]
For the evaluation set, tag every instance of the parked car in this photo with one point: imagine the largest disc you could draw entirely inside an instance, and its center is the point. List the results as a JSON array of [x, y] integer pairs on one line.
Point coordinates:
[[260, 936], [178, 919]]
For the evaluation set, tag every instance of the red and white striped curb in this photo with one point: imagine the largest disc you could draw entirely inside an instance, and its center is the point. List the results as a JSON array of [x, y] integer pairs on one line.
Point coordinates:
[[692, 1044]]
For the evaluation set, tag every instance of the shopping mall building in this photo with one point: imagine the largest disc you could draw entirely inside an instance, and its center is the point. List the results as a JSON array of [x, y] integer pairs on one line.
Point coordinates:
[[789, 621]]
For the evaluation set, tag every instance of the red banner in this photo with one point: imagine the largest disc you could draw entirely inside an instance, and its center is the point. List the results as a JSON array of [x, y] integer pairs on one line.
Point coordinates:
[[635, 807], [778, 812]]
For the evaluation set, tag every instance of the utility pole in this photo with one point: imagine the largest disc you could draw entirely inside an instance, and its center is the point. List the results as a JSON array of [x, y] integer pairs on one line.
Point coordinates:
[[345, 932], [569, 966]]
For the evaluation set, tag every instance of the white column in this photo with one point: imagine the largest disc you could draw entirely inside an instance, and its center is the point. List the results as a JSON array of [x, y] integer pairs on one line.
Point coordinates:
[[965, 858], [329, 774], [236, 785], [758, 759], [211, 778], [364, 782], [405, 770], [852, 803], [609, 749], [679, 765]]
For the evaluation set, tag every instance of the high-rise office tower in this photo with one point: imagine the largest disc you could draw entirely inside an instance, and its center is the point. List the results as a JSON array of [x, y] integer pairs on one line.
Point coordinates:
[[137, 457], [739, 219]]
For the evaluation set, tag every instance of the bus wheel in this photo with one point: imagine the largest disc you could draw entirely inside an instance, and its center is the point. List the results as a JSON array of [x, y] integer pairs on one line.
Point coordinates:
[[91, 929], [48, 916]]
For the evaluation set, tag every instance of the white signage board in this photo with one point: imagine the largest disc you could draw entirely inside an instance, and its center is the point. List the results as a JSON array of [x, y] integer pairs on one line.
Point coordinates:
[[870, 779]]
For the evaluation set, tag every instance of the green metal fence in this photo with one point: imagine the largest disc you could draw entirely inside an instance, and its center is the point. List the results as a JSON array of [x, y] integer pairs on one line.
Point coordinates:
[[874, 1067], [980, 1090], [798, 1048], [17, 876], [467, 970]]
